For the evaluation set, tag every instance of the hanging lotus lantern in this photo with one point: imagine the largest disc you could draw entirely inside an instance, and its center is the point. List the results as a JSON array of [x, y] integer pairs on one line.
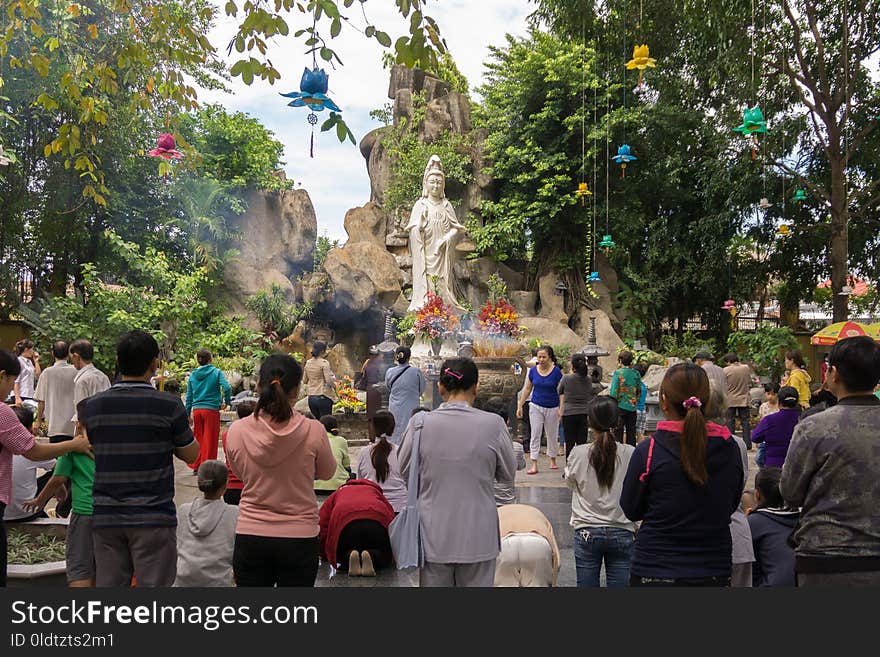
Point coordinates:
[[166, 149], [313, 94], [641, 60], [594, 277], [783, 231], [729, 306], [799, 196], [765, 203], [583, 192], [607, 243], [753, 124], [624, 156]]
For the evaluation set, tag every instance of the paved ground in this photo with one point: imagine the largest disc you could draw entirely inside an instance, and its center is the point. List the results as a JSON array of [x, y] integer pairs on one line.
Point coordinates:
[[545, 490]]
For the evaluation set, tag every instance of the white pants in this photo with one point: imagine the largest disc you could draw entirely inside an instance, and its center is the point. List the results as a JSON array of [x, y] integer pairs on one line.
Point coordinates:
[[526, 560], [546, 419]]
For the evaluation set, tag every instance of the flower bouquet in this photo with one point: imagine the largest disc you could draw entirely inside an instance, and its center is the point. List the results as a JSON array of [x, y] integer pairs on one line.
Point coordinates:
[[435, 321], [498, 330], [347, 399]]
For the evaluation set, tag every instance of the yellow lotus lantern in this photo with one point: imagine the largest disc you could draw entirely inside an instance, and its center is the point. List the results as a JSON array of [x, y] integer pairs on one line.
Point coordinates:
[[641, 60]]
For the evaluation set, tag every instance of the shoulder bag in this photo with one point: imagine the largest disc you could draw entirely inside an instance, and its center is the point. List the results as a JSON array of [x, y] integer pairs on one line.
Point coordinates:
[[404, 531], [397, 376]]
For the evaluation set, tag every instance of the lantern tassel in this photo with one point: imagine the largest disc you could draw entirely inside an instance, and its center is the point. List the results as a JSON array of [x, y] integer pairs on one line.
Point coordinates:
[[312, 144]]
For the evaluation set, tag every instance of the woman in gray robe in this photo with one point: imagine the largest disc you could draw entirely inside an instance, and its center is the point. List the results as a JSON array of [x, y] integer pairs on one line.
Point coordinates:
[[463, 451], [405, 385]]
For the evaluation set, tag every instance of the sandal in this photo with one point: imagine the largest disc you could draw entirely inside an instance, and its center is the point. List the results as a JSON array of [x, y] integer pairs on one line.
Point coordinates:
[[532, 471], [554, 467]]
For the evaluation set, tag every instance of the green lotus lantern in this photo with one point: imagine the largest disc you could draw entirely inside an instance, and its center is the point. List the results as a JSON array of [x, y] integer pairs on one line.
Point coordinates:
[[607, 243], [799, 196], [753, 122]]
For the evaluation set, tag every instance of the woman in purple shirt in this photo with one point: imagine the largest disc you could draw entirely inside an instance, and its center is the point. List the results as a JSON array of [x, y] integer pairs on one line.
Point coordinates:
[[543, 406], [775, 430]]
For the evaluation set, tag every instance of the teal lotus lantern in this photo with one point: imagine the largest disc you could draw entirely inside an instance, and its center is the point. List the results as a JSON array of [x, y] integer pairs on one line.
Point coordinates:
[[594, 277], [607, 243], [799, 196]]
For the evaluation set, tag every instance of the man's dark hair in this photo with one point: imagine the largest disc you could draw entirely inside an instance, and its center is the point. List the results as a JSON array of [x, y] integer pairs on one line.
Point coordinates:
[[497, 406], [203, 356], [857, 362], [84, 349], [9, 363], [731, 358], [245, 408], [625, 358], [60, 349], [24, 415], [767, 482], [134, 352]]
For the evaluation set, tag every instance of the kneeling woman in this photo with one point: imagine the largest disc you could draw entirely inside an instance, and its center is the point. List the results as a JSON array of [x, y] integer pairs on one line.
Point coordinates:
[[354, 528]]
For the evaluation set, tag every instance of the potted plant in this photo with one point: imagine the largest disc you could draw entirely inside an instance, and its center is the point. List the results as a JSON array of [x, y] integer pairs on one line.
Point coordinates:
[[435, 321]]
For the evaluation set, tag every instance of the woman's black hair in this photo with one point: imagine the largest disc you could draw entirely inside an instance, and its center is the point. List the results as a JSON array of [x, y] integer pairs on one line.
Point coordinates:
[[772, 387], [549, 350], [641, 368], [330, 424], [602, 417], [458, 374], [280, 374], [383, 426], [767, 481], [318, 348], [213, 476], [402, 355], [420, 409], [625, 358], [579, 365], [9, 363], [22, 346], [796, 357]]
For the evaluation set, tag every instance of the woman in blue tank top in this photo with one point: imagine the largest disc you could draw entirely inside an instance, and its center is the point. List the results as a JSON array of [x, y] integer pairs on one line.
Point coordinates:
[[544, 406]]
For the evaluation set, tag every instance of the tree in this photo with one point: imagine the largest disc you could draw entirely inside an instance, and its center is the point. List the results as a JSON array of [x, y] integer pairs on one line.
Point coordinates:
[[806, 64]]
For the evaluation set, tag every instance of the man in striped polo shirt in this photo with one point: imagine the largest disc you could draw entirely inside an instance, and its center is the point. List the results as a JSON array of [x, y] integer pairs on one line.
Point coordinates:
[[135, 431]]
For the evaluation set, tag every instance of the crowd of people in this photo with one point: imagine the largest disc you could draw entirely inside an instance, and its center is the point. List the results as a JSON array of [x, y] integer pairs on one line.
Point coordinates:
[[669, 508]]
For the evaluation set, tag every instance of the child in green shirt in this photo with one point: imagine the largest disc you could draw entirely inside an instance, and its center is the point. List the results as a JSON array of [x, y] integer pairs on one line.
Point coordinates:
[[339, 445]]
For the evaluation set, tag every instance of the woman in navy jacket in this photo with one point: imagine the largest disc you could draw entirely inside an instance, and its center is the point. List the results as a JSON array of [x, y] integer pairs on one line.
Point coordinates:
[[683, 484]]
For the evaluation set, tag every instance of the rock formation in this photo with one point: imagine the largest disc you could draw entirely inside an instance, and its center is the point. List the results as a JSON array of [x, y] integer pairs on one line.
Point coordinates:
[[277, 244]]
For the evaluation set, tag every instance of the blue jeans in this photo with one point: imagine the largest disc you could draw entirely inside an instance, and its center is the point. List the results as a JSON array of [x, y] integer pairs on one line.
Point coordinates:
[[760, 455], [592, 545]]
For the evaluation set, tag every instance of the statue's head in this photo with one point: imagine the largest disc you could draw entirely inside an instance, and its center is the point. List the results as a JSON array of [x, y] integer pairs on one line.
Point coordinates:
[[434, 180]]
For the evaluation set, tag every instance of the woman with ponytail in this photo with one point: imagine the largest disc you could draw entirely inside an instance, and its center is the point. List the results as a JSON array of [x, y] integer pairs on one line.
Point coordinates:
[[405, 387], [576, 391], [683, 484], [595, 473], [379, 462], [278, 454]]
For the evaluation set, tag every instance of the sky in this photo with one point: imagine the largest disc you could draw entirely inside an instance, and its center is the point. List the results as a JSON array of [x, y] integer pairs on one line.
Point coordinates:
[[336, 179]]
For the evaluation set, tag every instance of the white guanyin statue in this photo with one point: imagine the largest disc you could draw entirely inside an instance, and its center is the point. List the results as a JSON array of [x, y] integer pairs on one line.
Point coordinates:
[[434, 231]]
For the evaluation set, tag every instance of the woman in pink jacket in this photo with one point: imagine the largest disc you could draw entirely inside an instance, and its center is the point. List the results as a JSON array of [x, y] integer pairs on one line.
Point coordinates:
[[278, 454]]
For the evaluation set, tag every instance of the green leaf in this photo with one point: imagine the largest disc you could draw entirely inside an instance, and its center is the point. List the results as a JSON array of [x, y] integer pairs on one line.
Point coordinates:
[[326, 53], [369, 31], [335, 28], [383, 38]]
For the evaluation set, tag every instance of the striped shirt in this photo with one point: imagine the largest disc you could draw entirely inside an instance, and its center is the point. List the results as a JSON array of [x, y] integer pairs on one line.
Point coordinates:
[[14, 439], [134, 430]]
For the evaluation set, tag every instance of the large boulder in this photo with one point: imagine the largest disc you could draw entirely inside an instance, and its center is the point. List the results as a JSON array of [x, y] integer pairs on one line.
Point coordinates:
[[364, 277], [277, 243], [366, 224], [552, 304], [551, 332], [473, 276]]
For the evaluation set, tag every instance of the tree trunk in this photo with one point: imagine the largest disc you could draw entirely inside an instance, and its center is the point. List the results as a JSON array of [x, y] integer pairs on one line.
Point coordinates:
[[839, 247]]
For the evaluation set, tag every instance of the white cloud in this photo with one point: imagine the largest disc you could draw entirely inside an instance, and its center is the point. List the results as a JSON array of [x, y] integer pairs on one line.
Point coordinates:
[[336, 178]]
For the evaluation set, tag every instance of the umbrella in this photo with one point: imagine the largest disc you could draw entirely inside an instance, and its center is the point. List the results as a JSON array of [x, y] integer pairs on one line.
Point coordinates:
[[841, 330]]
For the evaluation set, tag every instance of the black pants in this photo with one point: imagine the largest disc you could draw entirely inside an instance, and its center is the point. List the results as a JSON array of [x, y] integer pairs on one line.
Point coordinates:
[[743, 413], [367, 535], [274, 561], [2, 547], [723, 582], [526, 428], [320, 405], [626, 420], [62, 509], [575, 428], [232, 496]]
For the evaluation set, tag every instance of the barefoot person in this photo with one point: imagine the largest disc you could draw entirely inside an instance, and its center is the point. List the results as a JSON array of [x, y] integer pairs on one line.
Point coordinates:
[[542, 392]]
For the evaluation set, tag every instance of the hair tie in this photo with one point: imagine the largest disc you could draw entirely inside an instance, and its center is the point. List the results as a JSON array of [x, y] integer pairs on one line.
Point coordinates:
[[453, 374], [692, 402], [274, 381]]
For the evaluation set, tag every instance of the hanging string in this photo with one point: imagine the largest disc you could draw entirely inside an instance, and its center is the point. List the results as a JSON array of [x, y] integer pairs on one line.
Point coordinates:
[[846, 134], [312, 118], [754, 102], [624, 73], [595, 83], [607, 133]]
